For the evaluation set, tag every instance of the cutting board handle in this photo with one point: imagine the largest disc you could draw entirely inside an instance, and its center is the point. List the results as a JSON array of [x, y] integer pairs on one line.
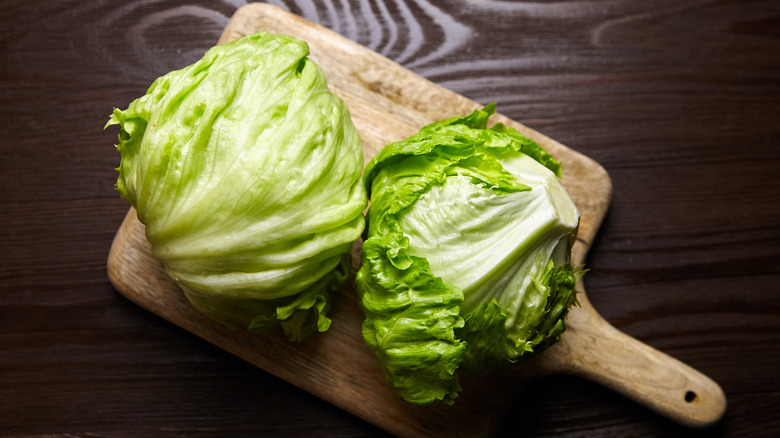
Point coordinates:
[[594, 349]]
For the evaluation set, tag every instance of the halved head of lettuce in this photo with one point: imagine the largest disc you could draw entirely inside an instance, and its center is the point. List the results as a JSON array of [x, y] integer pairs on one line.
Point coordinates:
[[245, 170], [466, 262]]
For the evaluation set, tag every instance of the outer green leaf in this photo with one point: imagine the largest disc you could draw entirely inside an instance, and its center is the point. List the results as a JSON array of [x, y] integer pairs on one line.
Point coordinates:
[[410, 328], [484, 332]]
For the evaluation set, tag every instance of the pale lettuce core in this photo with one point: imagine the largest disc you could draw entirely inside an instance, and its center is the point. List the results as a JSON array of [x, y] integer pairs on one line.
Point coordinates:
[[467, 259], [245, 170]]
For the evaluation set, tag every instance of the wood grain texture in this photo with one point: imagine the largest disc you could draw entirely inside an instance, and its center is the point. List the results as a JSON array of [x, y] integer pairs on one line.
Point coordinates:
[[678, 100]]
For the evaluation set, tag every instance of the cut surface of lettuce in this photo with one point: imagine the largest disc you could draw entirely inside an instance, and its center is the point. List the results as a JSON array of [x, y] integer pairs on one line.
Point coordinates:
[[245, 170], [466, 262]]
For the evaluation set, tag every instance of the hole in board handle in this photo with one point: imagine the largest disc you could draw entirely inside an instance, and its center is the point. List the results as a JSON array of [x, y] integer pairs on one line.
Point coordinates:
[[690, 396]]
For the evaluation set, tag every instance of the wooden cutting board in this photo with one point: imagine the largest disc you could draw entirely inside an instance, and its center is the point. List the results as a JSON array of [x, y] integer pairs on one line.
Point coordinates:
[[389, 103]]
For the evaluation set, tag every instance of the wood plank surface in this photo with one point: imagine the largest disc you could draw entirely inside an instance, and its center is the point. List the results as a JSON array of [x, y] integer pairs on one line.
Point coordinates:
[[676, 99], [388, 103]]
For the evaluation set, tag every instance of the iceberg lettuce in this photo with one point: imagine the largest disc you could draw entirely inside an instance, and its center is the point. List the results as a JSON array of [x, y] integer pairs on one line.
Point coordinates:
[[466, 261], [245, 170]]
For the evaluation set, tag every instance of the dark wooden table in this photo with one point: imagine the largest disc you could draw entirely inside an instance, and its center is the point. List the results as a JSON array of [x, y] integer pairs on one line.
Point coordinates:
[[679, 101]]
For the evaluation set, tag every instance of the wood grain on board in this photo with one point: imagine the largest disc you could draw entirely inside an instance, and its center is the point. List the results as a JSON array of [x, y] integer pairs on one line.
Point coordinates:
[[388, 103]]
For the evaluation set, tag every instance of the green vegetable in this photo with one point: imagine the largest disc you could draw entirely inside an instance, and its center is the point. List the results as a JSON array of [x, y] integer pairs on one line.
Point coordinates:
[[466, 264], [245, 170]]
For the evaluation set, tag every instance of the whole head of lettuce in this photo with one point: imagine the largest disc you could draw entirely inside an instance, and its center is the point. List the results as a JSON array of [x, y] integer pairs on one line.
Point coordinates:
[[466, 264], [245, 170]]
